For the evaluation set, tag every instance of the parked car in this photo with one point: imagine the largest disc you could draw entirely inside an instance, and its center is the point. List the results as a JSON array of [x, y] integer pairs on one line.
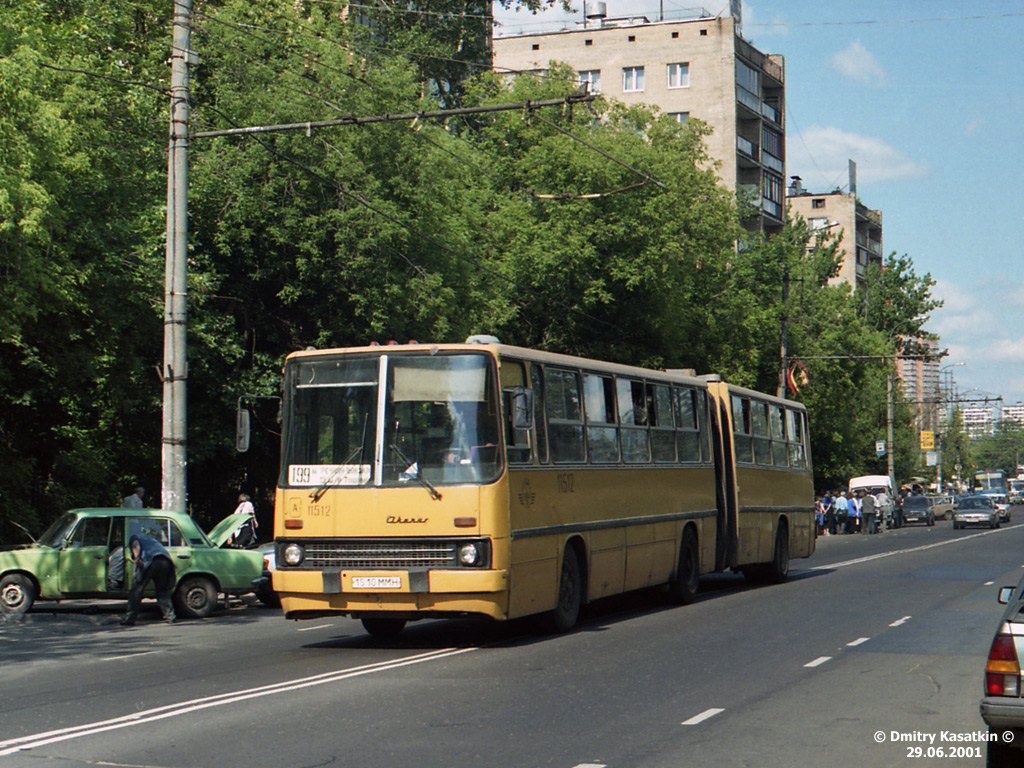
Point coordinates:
[[1002, 707], [976, 510], [918, 509], [83, 555]]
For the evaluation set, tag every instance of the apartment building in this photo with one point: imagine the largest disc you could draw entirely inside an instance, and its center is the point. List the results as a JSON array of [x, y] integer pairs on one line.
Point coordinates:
[[920, 381], [699, 67], [859, 228], [979, 420]]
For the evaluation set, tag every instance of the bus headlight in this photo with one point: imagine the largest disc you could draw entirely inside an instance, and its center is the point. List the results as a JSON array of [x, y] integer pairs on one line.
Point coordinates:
[[292, 554], [474, 554], [469, 554]]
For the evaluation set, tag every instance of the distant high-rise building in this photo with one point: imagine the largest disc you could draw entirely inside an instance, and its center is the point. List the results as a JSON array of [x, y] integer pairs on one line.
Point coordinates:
[[698, 67], [859, 228]]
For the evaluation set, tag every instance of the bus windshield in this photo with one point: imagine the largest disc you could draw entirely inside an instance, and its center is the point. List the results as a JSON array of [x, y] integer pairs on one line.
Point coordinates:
[[436, 422]]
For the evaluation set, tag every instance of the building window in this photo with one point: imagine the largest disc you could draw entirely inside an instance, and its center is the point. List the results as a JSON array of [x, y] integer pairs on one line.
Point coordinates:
[[632, 78], [536, 46], [679, 75], [679, 117], [675, 35], [592, 77], [588, 42], [631, 38], [703, 33], [818, 202]]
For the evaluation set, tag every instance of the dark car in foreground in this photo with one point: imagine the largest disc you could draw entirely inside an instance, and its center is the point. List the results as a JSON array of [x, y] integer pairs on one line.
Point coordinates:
[[83, 555], [976, 510], [1002, 707], [918, 509]]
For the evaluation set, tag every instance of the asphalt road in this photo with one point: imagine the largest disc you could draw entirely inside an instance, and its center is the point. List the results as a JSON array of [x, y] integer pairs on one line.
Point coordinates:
[[872, 651]]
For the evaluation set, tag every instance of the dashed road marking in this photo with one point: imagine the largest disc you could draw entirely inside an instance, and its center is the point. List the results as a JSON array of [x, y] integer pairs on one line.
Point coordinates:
[[318, 626], [818, 661], [706, 714], [858, 641], [900, 622]]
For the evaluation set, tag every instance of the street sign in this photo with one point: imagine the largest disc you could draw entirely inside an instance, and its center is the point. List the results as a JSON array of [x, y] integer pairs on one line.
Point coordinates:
[[927, 440], [880, 447]]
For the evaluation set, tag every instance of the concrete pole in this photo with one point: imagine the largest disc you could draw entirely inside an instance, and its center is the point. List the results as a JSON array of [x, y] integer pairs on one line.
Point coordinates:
[[175, 368]]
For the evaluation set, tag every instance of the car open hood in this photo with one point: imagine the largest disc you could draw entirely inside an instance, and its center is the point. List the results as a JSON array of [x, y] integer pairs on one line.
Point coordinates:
[[227, 528]]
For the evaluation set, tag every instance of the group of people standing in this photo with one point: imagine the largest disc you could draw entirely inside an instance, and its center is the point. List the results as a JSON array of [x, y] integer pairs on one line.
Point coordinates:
[[859, 511]]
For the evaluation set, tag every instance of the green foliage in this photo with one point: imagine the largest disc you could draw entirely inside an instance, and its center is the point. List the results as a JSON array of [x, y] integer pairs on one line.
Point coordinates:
[[597, 230]]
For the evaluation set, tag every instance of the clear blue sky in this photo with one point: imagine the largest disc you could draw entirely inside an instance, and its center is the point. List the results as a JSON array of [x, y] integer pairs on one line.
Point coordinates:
[[927, 97]]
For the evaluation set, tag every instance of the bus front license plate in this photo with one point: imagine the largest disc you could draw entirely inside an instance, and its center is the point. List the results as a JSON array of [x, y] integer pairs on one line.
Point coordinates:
[[377, 582]]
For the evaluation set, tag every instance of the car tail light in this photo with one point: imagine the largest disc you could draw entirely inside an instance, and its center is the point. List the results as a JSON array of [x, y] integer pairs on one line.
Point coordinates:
[[1002, 673]]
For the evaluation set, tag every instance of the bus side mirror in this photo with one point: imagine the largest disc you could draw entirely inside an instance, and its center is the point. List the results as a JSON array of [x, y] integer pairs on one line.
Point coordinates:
[[522, 407], [242, 430]]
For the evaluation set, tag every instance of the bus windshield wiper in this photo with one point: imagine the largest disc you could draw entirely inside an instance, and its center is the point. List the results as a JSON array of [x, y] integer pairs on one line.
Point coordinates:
[[319, 492], [413, 473]]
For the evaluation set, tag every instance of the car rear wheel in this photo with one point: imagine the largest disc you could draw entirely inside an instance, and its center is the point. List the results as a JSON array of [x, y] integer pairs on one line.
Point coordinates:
[[196, 597], [17, 594]]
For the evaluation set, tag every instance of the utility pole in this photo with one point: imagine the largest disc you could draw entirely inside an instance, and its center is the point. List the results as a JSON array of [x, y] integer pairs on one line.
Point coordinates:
[[890, 458], [174, 373]]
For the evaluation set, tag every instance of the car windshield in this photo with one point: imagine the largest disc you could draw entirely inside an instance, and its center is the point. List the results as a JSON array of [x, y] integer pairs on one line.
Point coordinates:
[[976, 503], [56, 532], [439, 425]]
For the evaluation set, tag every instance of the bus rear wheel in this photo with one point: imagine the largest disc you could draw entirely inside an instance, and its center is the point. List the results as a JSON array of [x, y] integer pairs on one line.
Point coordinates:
[[778, 569], [683, 588]]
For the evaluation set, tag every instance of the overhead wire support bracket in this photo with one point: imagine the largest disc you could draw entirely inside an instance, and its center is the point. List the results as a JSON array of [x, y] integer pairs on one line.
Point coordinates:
[[308, 126]]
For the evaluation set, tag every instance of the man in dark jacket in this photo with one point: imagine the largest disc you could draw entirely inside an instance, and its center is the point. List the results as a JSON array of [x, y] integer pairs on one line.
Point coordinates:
[[152, 563]]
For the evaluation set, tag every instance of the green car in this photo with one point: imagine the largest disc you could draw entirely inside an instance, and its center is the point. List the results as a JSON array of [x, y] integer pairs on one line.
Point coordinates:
[[82, 555]]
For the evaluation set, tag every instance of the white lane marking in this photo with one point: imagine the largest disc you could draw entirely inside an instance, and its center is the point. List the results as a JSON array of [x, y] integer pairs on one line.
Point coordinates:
[[126, 656], [10, 746], [858, 641], [922, 548], [900, 622], [590, 765], [705, 715], [816, 663], [318, 626]]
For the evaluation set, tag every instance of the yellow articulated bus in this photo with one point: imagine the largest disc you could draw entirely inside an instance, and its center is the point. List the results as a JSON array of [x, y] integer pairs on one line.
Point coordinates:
[[438, 480]]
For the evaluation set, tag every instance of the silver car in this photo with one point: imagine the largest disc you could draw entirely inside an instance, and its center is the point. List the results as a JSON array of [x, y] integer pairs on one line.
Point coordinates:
[[976, 510]]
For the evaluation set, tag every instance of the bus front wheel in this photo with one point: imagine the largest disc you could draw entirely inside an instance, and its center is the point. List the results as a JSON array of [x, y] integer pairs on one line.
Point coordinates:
[[683, 588], [570, 595]]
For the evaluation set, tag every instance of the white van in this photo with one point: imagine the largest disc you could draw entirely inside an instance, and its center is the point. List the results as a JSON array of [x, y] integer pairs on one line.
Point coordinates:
[[876, 485]]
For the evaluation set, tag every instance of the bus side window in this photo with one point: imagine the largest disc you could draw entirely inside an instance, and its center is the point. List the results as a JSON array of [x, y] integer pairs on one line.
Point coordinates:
[[759, 429], [795, 428], [687, 420], [513, 383], [540, 423], [602, 434], [741, 429], [663, 443], [777, 424], [564, 403], [633, 418]]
